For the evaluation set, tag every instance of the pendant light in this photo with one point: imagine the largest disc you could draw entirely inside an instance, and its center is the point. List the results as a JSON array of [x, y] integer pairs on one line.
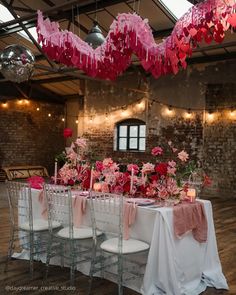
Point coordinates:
[[95, 37]]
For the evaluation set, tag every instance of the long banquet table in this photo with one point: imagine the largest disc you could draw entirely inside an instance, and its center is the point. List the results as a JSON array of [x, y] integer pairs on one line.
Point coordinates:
[[174, 266]]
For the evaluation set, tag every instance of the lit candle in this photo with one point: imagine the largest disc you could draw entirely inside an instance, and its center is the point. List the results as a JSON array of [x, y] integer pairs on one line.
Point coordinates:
[[97, 187], [132, 181], [191, 193], [55, 172], [91, 180]]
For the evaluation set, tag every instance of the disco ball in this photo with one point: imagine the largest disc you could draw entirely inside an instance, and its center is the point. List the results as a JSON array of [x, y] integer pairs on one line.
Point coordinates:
[[16, 63]]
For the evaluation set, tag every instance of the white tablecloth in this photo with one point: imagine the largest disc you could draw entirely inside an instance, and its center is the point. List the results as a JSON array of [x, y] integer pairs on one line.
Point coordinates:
[[174, 266]]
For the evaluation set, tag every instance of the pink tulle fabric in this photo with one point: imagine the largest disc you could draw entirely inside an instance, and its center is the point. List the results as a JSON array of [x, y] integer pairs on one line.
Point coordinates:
[[130, 34]]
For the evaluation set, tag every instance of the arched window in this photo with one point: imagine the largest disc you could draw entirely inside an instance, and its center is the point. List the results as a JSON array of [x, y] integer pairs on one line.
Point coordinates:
[[130, 135]]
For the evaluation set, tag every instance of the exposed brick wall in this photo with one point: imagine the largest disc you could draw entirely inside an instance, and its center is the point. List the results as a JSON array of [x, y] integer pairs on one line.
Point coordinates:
[[220, 139], [28, 136], [214, 144]]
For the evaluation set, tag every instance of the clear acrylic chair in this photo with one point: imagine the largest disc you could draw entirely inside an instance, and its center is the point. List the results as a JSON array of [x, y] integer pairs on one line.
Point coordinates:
[[69, 242], [107, 216], [26, 232]]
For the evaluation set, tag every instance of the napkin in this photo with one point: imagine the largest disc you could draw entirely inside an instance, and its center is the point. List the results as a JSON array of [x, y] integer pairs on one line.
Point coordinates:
[[36, 182], [190, 217]]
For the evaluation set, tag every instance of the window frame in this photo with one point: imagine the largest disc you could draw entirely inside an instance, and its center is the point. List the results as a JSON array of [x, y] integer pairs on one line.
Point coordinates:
[[130, 123]]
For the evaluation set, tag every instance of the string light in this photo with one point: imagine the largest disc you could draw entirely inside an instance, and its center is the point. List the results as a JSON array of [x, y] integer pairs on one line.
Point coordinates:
[[188, 114], [232, 114], [210, 116], [4, 104], [141, 105], [167, 110], [77, 121]]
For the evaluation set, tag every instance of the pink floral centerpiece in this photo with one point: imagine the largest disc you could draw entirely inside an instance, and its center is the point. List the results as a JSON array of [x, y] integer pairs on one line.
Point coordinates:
[[166, 177]]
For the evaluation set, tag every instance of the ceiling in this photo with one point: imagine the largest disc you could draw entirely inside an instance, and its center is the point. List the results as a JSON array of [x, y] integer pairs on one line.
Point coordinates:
[[54, 82]]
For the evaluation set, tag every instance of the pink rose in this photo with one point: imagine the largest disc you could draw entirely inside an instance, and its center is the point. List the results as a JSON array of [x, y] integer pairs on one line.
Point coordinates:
[[183, 156], [134, 167], [157, 151], [99, 166], [148, 168], [81, 142]]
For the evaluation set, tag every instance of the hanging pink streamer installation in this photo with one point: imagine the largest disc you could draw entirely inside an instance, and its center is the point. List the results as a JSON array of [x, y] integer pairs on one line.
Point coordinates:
[[130, 34]]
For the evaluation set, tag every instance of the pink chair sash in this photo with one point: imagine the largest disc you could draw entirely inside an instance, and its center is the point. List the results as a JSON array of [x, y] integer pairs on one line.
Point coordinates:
[[79, 209], [130, 210], [43, 202]]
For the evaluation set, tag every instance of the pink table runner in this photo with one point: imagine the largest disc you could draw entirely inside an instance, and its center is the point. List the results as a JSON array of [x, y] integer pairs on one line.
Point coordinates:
[[190, 217]]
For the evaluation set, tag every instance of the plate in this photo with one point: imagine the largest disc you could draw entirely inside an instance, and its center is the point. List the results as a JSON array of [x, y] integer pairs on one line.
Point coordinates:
[[141, 201]]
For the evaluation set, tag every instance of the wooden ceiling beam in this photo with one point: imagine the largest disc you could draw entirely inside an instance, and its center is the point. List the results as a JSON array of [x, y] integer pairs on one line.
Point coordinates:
[[12, 90], [211, 58], [49, 3], [48, 12], [195, 1], [53, 80], [8, 31], [56, 12], [162, 33], [215, 46], [23, 9]]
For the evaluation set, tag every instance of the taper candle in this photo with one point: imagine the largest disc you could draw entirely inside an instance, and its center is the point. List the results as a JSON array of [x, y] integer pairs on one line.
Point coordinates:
[[55, 172], [132, 181]]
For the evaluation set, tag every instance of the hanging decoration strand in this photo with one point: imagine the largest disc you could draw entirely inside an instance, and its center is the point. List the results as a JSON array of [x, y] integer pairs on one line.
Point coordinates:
[[130, 34]]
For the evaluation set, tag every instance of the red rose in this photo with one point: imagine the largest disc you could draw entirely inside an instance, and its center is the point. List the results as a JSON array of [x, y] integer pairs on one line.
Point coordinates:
[[67, 132], [71, 182], [143, 189], [161, 168], [154, 177], [126, 187], [86, 179], [86, 183]]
